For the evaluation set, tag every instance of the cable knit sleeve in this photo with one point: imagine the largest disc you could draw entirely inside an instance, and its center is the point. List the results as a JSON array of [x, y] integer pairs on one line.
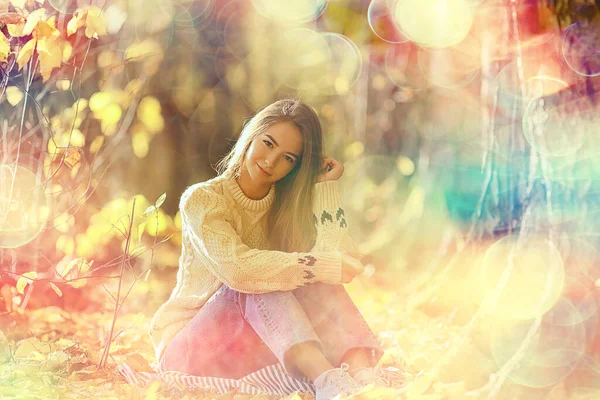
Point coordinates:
[[330, 220], [206, 218]]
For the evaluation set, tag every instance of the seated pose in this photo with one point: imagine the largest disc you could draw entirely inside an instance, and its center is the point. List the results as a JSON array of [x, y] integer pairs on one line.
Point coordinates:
[[265, 254]]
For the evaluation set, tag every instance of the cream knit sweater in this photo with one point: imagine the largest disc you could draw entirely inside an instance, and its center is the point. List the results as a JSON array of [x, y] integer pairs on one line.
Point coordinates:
[[223, 237]]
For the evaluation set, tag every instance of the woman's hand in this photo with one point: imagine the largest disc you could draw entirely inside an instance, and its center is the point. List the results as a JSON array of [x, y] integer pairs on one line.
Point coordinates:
[[331, 170], [351, 267]]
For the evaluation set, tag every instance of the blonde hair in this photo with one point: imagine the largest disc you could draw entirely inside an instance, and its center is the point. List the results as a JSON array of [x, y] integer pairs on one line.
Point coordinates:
[[290, 223]]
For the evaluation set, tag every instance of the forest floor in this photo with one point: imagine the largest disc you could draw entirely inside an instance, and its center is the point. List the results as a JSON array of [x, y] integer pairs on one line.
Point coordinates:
[[53, 352]]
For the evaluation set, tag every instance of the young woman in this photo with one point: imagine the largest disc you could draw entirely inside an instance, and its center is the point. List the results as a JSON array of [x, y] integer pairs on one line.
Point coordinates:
[[260, 301]]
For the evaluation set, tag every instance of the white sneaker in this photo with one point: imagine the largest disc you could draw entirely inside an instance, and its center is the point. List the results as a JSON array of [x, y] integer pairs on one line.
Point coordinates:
[[334, 382], [381, 377]]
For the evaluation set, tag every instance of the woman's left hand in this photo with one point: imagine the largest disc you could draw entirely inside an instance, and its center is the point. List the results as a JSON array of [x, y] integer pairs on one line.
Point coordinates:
[[331, 170]]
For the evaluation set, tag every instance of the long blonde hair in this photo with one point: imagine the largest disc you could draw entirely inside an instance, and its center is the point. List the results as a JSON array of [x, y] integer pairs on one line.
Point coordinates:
[[290, 223]]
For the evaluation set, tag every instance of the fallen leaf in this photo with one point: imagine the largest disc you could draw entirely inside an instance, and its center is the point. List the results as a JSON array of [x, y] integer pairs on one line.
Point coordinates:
[[138, 363], [31, 346]]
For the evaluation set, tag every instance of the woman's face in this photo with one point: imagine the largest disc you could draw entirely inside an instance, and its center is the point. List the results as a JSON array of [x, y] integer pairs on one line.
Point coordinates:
[[274, 153]]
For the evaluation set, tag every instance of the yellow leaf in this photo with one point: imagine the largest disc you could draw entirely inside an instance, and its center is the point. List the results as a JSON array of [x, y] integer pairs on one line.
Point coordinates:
[[96, 144], [76, 22], [50, 55], [99, 100], [111, 114], [30, 274], [75, 138], [16, 30], [80, 104], [33, 19], [26, 52], [64, 270], [149, 112], [95, 25], [45, 29], [91, 18], [140, 144], [21, 283], [14, 95], [67, 51], [157, 224], [4, 48], [56, 289]]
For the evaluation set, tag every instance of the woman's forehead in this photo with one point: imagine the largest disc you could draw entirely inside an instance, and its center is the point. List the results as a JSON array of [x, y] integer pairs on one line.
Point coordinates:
[[286, 135]]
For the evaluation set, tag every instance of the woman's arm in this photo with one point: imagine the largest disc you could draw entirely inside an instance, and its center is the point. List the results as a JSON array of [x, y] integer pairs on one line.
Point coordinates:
[[206, 222], [330, 219]]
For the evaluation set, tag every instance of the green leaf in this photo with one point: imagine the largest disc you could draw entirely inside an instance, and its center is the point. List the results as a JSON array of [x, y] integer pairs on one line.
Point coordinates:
[[149, 211], [160, 200]]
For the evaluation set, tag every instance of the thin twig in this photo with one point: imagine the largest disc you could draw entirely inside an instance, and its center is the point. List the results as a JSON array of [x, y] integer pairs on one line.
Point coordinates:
[[112, 327]]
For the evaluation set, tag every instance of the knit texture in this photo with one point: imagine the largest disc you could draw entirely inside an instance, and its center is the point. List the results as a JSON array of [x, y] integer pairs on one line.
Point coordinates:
[[224, 241]]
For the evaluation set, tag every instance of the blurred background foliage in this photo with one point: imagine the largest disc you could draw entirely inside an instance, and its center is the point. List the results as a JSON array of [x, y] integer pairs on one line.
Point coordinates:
[[461, 123]]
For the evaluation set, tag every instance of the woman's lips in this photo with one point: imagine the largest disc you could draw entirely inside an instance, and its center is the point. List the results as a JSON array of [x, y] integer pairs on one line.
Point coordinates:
[[263, 171]]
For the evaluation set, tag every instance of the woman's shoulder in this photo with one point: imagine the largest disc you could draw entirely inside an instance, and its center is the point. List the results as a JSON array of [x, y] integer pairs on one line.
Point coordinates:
[[211, 189]]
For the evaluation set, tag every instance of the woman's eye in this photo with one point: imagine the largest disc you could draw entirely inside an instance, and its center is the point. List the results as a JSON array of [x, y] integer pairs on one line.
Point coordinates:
[[268, 143], [290, 159]]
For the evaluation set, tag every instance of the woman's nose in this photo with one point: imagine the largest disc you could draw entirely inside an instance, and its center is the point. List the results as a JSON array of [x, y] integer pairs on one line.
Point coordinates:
[[270, 161]]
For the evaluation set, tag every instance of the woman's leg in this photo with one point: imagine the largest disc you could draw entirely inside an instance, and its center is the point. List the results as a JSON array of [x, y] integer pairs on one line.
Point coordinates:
[[341, 328], [218, 342], [279, 320]]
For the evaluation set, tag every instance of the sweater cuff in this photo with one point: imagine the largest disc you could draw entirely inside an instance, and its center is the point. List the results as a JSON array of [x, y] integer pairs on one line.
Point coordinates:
[[327, 196], [329, 267]]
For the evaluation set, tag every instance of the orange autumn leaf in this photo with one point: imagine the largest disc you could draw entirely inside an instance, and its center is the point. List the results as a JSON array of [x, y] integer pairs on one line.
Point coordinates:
[[72, 157], [11, 18]]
